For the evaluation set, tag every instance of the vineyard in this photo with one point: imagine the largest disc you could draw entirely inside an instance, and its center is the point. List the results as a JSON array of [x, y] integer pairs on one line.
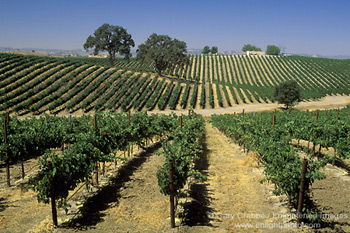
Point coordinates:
[[33, 84], [272, 141], [74, 154], [116, 157], [86, 142]]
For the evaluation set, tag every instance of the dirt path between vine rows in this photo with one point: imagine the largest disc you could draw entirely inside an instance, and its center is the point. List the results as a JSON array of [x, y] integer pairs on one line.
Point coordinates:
[[230, 196], [324, 103], [131, 203], [20, 211], [331, 197], [230, 200], [328, 102]]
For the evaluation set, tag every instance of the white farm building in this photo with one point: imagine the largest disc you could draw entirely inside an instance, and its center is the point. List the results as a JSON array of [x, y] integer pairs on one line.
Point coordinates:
[[257, 53]]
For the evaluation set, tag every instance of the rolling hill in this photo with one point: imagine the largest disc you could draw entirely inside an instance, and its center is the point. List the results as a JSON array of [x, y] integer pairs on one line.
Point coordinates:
[[38, 84]]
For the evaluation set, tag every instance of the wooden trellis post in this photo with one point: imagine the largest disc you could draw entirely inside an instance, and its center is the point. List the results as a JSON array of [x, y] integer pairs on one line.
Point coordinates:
[[301, 191], [53, 199], [172, 192], [96, 163], [6, 156]]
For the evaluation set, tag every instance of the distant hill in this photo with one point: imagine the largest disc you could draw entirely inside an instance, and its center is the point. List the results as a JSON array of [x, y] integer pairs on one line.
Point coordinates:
[[228, 52], [26, 53], [49, 52], [82, 52], [322, 56]]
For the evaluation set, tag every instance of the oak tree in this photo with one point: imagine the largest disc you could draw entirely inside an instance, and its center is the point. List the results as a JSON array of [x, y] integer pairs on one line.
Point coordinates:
[[249, 47], [287, 92], [272, 50], [163, 51], [206, 50], [214, 50], [113, 39]]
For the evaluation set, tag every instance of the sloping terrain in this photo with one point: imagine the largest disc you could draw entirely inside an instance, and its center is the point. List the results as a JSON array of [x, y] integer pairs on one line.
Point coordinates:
[[37, 84]]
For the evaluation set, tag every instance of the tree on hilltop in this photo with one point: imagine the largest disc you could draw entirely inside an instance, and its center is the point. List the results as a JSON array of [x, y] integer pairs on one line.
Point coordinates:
[[214, 50], [249, 47], [287, 93], [206, 50], [113, 39], [272, 50], [163, 51]]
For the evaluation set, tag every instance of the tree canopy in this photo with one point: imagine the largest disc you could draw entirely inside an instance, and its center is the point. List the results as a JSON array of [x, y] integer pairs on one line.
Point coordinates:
[[206, 50], [249, 47], [113, 39], [287, 92], [163, 51], [214, 50], [272, 50]]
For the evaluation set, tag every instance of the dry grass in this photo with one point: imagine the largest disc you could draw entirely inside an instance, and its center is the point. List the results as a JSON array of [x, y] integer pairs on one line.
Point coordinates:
[[45, 226]]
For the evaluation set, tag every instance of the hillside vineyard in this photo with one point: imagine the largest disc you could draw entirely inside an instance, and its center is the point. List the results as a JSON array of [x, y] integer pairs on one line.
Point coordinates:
[[33, 84]]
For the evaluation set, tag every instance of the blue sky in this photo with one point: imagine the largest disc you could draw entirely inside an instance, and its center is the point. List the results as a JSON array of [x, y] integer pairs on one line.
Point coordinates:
[[301, 26]]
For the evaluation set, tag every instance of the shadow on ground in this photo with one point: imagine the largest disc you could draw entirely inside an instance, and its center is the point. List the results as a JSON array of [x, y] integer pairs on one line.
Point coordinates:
[[91, 211], [3, 204], [197, 212], [327, 222]]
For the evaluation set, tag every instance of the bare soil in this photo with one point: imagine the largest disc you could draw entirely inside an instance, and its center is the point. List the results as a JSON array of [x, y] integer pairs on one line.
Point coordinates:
[[328, 102], [231, 199], [331, 198]]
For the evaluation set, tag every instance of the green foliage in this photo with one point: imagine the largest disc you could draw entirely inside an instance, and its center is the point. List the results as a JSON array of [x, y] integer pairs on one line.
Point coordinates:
[[183, 151], [272, 50], [206, 50], [128, 97], [157, 92], [185, 95], [273, 145], [249, 47], [90, 145], [202, 99], [163, 51], [113, 39], [218, 94], [69, 169], [125, 90], [146, 94], [175, 97], [211, 95], [163, 101], [193, 100], [214, 50], [46, 84], [287, 93]]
